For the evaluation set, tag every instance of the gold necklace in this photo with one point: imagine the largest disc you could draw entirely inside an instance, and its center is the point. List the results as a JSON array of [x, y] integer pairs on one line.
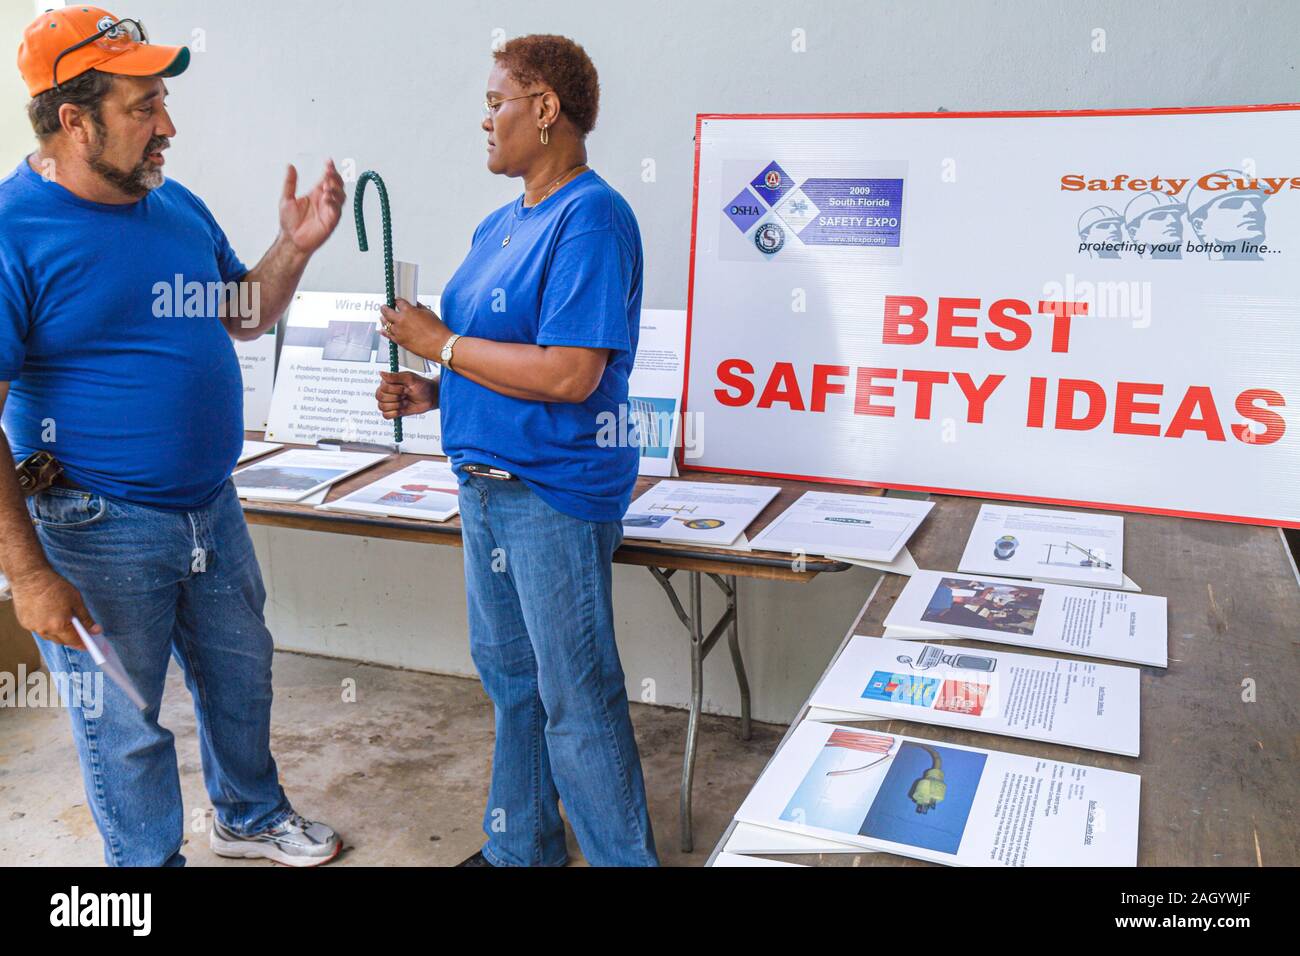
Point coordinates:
[[514, 219]]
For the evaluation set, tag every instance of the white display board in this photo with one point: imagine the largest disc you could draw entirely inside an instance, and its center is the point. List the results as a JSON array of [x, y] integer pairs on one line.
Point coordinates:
[[329, 370], [257, 366], [654, 388], [1093, 308]]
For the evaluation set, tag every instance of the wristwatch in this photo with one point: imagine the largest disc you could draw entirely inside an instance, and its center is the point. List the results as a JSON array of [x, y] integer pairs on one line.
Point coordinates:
[[445, 355]]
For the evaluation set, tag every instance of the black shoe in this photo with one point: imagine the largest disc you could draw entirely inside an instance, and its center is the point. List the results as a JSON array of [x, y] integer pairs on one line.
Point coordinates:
[[478, 859]]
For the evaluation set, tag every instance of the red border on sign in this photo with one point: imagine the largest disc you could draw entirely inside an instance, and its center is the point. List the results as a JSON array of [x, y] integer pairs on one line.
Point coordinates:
[[1003, 114]]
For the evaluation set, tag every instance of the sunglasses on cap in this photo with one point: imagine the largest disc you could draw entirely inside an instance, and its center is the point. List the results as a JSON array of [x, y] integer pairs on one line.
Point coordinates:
[[114, 36]]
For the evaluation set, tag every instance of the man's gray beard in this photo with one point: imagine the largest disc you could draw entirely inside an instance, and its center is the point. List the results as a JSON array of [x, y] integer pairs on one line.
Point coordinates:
[[137, 182]]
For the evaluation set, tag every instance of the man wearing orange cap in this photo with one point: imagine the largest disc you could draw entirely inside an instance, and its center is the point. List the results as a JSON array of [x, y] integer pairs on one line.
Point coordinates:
[[142, 538]]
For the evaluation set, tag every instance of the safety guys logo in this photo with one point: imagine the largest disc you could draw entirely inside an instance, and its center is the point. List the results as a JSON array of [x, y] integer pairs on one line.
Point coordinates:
[[1218, 216], [769, 238], [772, 208]]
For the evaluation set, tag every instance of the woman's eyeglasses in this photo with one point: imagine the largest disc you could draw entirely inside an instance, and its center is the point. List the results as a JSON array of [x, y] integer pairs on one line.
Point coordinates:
[[114, 37], [490, 107]]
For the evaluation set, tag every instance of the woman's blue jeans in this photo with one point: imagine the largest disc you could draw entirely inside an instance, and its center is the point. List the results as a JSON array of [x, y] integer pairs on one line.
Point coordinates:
[[541, 628]]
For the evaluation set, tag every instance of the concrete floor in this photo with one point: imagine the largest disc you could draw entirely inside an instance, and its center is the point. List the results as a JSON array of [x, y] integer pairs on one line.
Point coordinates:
[[402, 773]]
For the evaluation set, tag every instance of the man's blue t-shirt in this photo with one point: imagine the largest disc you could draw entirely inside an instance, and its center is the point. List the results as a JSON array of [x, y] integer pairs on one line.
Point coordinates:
[[570, 275], [137, 399]]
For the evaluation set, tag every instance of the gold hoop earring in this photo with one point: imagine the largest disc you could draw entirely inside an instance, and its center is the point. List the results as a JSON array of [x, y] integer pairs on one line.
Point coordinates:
[[546, 136]]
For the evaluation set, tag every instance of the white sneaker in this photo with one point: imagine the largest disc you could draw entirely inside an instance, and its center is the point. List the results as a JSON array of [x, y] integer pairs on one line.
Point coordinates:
[[295, 841]]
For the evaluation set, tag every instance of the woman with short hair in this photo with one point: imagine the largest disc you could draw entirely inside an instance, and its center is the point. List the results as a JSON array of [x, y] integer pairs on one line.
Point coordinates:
[[536, 341]]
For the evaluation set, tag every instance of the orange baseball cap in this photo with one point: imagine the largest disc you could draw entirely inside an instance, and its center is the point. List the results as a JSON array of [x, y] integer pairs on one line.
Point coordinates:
[[121, 51]]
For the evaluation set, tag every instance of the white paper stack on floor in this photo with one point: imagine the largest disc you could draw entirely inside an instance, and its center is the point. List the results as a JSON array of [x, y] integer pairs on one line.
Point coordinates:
[[298, 473], [426, 490], [696, 512], [1091, 622], [1076, 703], [945, 803], [1059, 547], [865, 527]]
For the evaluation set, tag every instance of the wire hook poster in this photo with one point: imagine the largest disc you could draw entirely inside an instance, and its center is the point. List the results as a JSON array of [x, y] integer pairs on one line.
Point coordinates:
[[1091, 308]]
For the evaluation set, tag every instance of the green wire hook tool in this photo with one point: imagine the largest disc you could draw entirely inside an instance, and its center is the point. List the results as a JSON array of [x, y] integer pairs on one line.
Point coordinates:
[[385, 214]]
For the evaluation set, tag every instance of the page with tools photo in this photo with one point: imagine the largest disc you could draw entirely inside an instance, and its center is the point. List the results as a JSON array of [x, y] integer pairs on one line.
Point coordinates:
[[1090, 622]]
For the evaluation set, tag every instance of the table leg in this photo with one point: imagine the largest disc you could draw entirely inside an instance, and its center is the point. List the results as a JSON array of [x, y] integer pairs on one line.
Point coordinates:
[[701, 644], [733, 640], [693, 721]]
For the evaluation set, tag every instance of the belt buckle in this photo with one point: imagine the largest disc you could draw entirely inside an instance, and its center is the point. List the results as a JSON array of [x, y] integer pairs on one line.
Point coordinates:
[[37, 472], [487, 471]]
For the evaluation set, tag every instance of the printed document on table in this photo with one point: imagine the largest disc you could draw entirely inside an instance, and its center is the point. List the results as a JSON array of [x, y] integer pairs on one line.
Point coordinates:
[[256, 449], [296, 474], [426, 491], [1062, 701], [696, 512], [1062, 547], [1091, 622], [962, 806], [866, 527], [747, 838]]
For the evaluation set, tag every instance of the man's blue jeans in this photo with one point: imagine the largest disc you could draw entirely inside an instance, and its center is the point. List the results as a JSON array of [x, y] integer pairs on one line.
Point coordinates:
[[167, 584], [541, 629]]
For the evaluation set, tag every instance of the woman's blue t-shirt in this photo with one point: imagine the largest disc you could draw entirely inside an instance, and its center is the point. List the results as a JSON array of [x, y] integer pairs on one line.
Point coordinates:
[[570, 275]]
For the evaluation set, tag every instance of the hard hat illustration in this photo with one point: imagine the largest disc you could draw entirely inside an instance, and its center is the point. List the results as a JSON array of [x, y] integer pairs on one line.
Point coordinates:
[[1147, 202], [1095, 215], [1198, 197]]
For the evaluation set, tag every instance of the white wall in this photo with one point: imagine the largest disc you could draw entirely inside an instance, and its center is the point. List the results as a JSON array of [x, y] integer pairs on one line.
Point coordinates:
[[15, 131], [396, 85]]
